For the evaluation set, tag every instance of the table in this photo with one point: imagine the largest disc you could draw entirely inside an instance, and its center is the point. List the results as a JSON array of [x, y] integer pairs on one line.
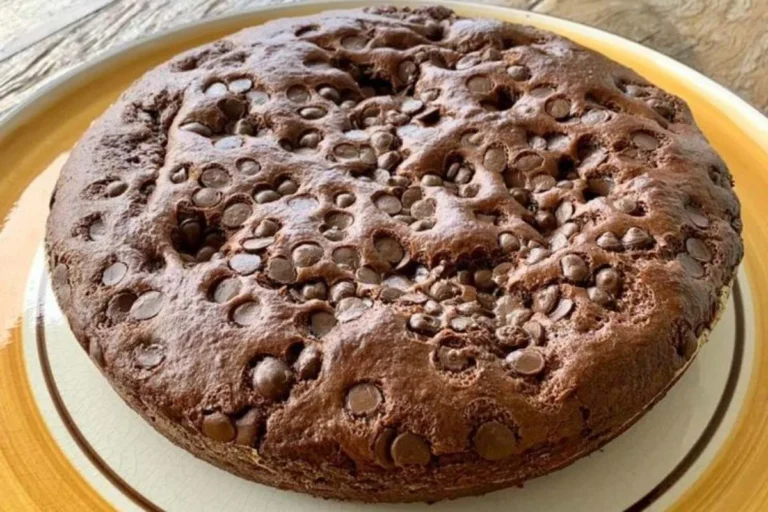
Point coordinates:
[[725, 39]]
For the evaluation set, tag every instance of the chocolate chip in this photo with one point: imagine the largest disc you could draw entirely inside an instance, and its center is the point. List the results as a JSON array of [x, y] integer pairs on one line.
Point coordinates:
[[341, 290], [351, 308], [310, 139], [246, 313], [206, 197], [287, 187], [321, 323], [544, 300], [147, 306], [226, 290], [594, 116], [529, 361], [443, 290], [344, 200], [312, 113], [309, 363], [645, 141], [559, 108], [258, 244], [329, 93], [179, 175], [389, 249], [272, 378], [382, 141], [346, 257], [411, 106], [307, 254], [115, 188], [205, 254], [608, 280], [599, 296], [411, 196], [697, 217], [528, 161], [609, 242], [542, 183], [431, 307], [509, 242], [388, 204], [266, 196], [410, 449], [626, 205], [636, 238], [461, 323], [312, 291], [495, 159], [690, 265], [574, 268], [218, 427], [114, 273], [425, 324], [149, 356], [240, 85], [198, 128], [297, 94], [562, 310], [698, 250], [495, 441], [346, 151], [431, 180], [535, 330], [281, 270], [480, 84], [423, 209], [537, 254], [407, 71], [518, 73], [266, 228], [483, 279], [382, 445], [235, 215], [389, 160], [245, 264], [215, 89], [248, 166], [247, 427], [363, 399], [367, 275]]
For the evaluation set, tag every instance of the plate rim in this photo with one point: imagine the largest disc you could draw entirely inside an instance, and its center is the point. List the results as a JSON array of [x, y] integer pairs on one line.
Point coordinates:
[[51, 93]]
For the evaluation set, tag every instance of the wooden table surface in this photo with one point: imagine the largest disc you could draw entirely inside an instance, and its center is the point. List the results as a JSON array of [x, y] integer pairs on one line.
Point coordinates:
[[725, 39]]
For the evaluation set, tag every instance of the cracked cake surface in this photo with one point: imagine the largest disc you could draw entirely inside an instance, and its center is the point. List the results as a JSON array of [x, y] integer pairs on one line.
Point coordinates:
[[392, 254]]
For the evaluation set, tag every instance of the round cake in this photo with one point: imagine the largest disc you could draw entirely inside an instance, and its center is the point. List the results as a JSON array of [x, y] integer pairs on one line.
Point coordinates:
[[393, 254]]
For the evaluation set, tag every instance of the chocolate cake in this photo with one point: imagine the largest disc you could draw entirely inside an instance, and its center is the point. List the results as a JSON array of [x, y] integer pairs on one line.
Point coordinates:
[[393, 254]]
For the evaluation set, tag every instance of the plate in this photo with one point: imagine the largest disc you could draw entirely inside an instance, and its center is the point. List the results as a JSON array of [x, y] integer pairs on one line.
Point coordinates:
[[68, 442]]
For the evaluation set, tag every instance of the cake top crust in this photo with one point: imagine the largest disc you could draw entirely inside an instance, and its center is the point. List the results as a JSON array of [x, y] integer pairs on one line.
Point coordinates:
[[393, 237]]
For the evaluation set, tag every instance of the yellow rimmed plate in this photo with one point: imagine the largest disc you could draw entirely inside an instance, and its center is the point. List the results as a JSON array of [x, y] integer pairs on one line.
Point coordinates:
[[67, 442]]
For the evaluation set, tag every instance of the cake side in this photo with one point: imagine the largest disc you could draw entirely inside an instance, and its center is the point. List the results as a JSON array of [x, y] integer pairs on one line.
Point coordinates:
[[392, 255]]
